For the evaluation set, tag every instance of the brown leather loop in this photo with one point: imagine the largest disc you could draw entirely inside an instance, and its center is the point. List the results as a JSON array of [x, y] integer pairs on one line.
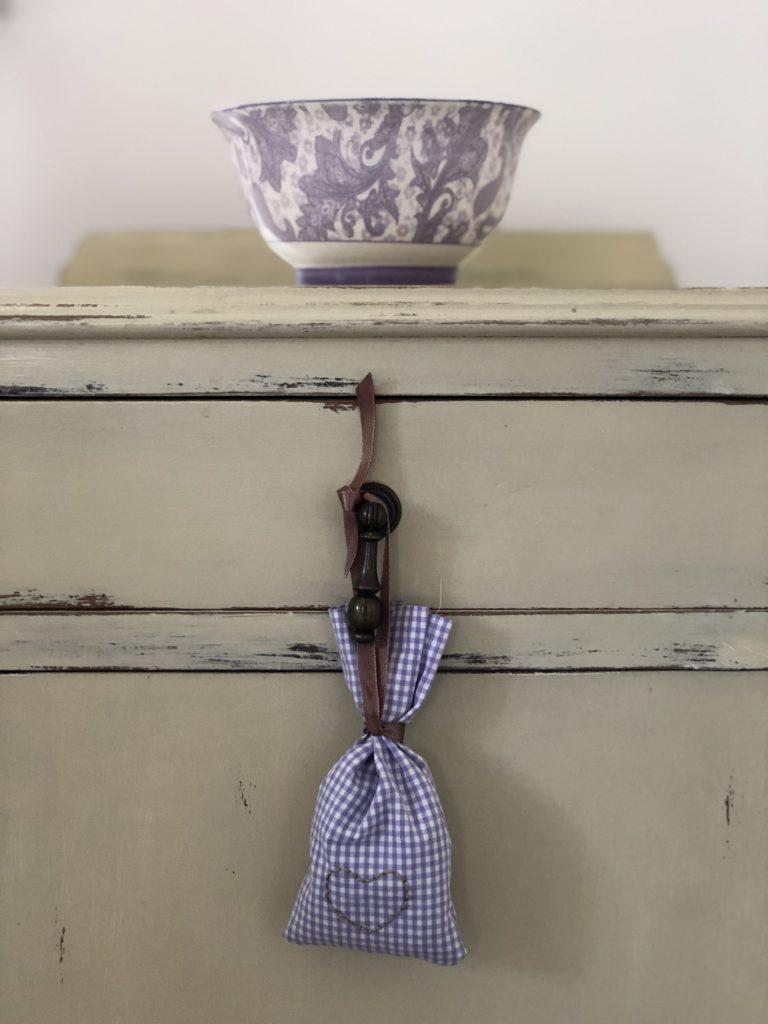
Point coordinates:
[[372, 659], [394, 731], [349, 494], [366, 666]]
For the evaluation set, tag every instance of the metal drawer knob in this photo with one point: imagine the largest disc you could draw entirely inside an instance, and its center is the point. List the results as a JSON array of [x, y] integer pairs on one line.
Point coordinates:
[[364, 611]]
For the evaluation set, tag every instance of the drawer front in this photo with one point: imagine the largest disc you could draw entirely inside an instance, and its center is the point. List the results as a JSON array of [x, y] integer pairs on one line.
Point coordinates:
[[508, 504], [609, 837]]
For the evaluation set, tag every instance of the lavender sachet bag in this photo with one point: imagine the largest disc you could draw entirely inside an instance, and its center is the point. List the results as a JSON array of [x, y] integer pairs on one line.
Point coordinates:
[[380, 854]]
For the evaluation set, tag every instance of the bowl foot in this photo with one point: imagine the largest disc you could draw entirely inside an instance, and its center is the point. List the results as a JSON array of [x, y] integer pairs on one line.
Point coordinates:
[[391, 276]]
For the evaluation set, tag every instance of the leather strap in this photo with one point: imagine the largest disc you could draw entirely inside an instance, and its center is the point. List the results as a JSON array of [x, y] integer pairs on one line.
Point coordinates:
[[392, 730], [349, 494], [372, 659]]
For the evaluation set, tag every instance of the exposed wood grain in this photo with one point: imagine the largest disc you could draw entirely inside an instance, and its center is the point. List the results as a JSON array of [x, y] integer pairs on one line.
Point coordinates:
[[160, 826], [302, 641], [507, 504]]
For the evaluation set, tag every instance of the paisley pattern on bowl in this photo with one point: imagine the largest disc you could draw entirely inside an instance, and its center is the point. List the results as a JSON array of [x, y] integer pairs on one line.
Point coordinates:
[[430, 172]]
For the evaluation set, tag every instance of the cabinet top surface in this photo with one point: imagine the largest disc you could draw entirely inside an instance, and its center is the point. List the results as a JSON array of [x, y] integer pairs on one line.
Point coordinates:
[[366, 312]]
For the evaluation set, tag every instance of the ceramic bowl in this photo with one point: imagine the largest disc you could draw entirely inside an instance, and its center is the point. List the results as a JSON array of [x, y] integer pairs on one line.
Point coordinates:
[[376, 191]]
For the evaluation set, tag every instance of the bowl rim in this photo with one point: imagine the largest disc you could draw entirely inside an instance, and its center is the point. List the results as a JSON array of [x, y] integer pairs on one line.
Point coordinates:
[[377, 99]]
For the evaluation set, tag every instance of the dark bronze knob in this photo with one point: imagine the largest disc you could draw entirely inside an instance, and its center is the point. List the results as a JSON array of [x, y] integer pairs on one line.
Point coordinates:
[[364, 617], [364, 610], [390, 499]]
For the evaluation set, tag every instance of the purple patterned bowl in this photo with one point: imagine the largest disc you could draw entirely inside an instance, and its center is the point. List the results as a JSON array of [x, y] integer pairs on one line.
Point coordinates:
[[376, 191]]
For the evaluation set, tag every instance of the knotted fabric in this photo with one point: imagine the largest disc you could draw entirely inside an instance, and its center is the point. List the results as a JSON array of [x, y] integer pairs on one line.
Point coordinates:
[[379, 876]]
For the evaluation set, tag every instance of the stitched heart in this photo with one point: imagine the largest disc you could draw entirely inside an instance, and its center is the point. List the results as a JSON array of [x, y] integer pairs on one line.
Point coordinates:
[[370, 904]]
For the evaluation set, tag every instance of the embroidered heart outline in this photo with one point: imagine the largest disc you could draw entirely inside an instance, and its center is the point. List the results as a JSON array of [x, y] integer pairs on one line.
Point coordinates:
[[367, 881]]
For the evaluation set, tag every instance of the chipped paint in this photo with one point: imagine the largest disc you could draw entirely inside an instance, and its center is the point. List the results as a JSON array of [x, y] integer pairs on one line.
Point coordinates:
[[309, 384], [243, 797], [24, 390], [696, 655], [339, 405], [730, 802], [470, 659], [22, 600], [682, 376]]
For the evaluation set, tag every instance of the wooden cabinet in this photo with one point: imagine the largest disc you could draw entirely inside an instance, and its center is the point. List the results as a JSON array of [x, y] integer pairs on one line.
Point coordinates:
[[585, 486]]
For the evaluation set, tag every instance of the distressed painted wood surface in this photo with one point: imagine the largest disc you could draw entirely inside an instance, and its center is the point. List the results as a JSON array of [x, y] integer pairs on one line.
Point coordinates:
[[609, 826], [616, 366], [608, 864], [526, 504], [319, 342], [303, 641], [383, 312]]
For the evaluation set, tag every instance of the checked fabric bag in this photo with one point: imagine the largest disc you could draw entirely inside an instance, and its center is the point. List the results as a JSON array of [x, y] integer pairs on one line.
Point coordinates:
[[379, 876]]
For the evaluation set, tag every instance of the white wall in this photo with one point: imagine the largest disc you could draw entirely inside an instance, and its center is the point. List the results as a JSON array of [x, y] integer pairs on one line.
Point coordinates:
[[654, 112]]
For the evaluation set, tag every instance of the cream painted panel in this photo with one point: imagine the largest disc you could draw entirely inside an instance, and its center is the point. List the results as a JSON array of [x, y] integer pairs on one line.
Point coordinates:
[[303, 641], [421, 341], [120, 312], [609, 850], [429, 365], [582, 504]]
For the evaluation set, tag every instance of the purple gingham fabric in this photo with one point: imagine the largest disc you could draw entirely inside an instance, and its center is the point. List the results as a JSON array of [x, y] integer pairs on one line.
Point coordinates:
[[380, 855]]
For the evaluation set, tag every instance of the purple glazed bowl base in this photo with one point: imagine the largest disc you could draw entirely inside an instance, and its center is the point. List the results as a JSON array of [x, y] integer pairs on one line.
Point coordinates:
[[388, 276]]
